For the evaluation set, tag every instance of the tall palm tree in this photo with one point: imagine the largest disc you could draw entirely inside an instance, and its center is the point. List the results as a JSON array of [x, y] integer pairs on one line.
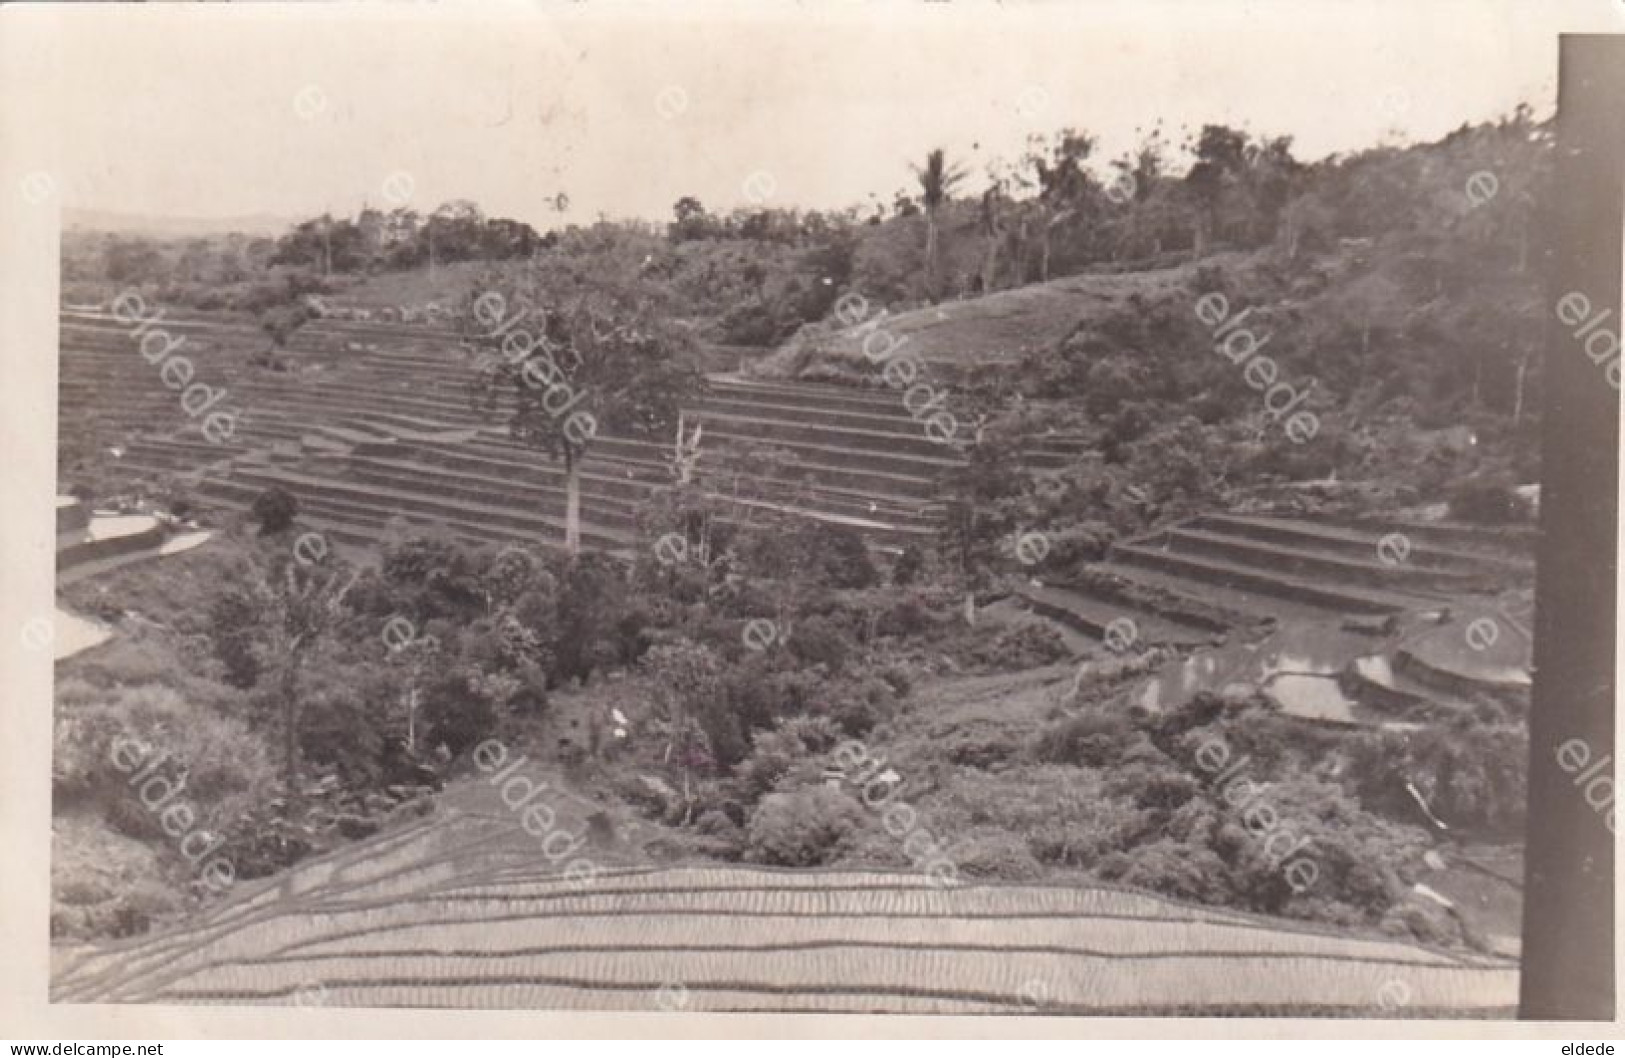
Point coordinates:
[[937, 180]]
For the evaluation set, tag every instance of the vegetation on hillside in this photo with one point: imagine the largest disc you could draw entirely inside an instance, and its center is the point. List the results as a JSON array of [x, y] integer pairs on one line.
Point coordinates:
[[571, 347], [307, 701], [719, 684]]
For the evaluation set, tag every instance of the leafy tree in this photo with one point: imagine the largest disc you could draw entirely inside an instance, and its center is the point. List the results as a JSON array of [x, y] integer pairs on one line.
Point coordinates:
[[279, 322], [693, 222], [502, 239], [978, 495], [599, 356], [1220, 157], [233, 624], [453, 232], [434, 577], [1065, 187], [1269, 179], [937, 179], [689, 676], [995, 230], [132, 260], [402, 238], [596, 624], [299, 604]]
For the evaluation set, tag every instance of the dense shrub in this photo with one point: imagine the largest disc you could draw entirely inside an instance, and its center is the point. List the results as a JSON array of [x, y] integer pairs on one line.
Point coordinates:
[[1470, 775], [177, 500], [1158, 786], [234, 636], [461, 707], [275, 509], [797, 741], [1023, 646], [1065, 813], [430, 575], [1488, 501], [218, 764], [347, 712], [906, 617], [1094, 739], [596, 623], [909, 565], [980, 744], [858, 705], [812, 552], [1422, 920], [820, 641], [1173, 868], [986, 852], [1087, 542], [898, 680], [802, 828]]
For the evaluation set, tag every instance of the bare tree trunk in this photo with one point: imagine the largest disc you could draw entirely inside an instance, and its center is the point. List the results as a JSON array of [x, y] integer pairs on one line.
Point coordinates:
[[990, 263], [572, 504], [290, 728], [1018, 255], [931, 293], [412, 721], [1517, 399]]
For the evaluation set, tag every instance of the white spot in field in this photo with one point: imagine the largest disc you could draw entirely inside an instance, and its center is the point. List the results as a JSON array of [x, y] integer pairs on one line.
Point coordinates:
[[398, 188], [672, 997], [671, 101], [760, 186], [37, 633], [1482, 633]]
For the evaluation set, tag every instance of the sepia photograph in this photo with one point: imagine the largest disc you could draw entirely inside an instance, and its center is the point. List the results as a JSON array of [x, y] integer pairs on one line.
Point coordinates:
[[1043, 510]]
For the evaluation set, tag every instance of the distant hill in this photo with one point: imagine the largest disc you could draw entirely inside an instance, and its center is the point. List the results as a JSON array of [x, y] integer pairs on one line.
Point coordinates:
[[996, 327], [99, 220]]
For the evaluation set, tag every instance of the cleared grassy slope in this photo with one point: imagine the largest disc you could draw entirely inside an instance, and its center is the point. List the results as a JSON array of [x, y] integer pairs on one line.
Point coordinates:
[[462, 910], [998, 327]]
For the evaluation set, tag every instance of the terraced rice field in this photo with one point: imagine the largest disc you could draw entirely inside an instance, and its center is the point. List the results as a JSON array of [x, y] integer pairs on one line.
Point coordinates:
[[375, 423], [462, 911], [1298, 583]]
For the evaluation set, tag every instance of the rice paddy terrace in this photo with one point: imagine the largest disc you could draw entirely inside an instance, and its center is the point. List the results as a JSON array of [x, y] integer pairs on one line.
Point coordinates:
[[462, 910], [372, 421], [1341, 620]]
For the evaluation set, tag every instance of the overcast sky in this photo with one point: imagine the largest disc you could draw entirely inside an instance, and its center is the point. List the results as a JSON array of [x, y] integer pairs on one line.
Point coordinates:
[[251, 110]]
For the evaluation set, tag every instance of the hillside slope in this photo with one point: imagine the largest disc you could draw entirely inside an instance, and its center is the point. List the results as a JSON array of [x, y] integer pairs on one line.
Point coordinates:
[[994, 328], [465, 910]]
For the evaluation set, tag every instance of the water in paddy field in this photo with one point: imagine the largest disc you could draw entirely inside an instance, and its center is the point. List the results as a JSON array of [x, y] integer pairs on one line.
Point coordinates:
[[1297, 666], [184, 542], [72, 633], [110, 526], [1483, 644], [1313, 697]]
